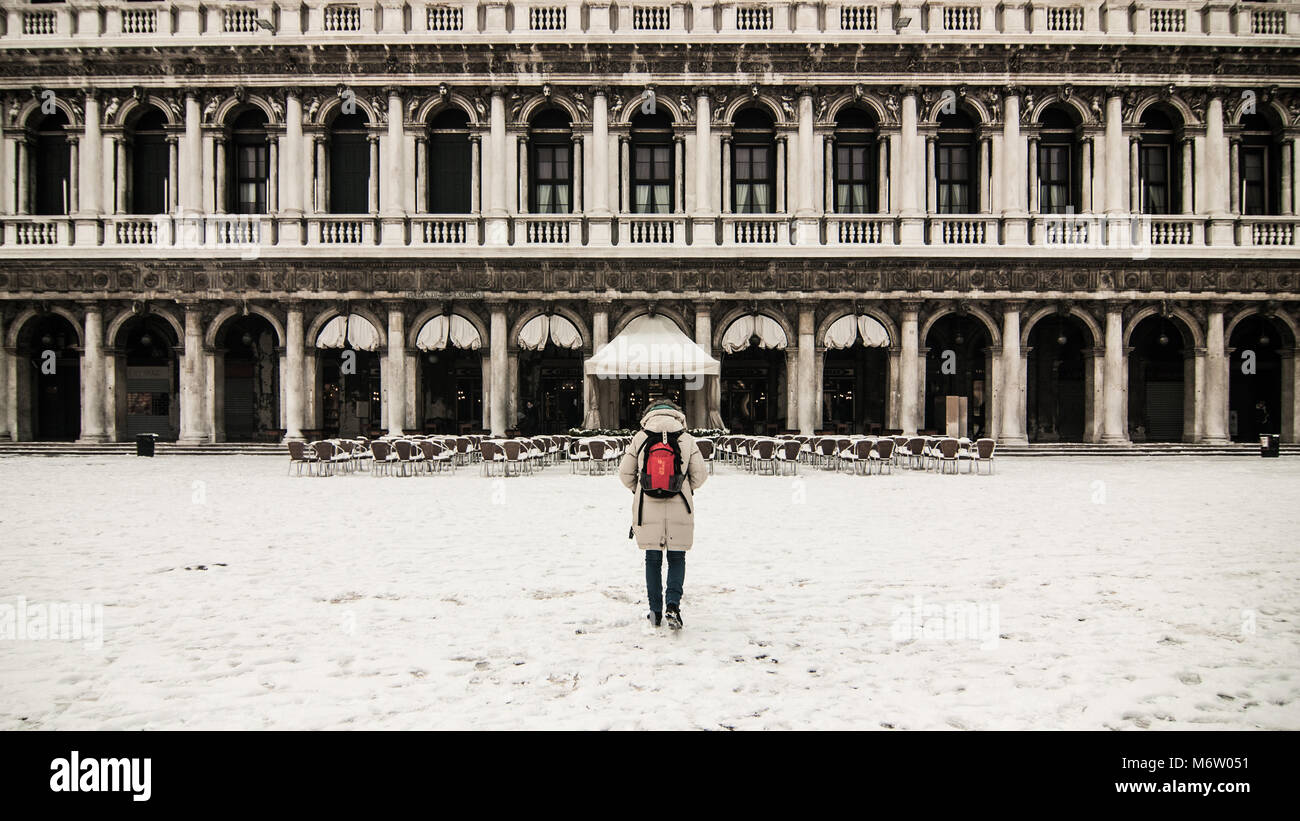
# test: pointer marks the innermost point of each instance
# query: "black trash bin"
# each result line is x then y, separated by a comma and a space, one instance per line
1270, 444
144, 444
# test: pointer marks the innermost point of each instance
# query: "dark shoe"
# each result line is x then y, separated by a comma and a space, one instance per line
654, 618
674, 614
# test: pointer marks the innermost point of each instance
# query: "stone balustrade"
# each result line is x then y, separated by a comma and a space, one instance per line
131, 23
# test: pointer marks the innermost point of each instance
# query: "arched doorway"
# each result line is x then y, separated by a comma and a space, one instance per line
1057, 381
51, 348
1255, 377
250, 382
1158, 379
349, 377
855, 376
151, 373
958, 366
449, 389
550, 375
753, 379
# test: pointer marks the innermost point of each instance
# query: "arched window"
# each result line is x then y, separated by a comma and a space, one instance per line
150, 164
857, 158
753, 163
248, 171
1059, 184
349, 165
1160, 163
451, 173
1259, 166
51, 160
955, 165
551, 148
652, 171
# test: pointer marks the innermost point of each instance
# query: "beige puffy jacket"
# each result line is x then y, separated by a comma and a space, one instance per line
665, 523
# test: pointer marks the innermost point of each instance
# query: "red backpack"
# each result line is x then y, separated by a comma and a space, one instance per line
661, 468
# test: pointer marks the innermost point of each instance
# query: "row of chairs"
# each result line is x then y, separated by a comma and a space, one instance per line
597, 455
859, 454
521, 455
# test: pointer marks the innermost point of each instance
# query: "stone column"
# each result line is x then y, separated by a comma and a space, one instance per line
625, 175
712, 401
809, 385
71, 199
422, 203
909, 364
291, 177
1235, 204
591, 386
1035, 203
393, 176
793, 384
578, 200
986, 178
189, 183
1187, 184
1216, 381
705, 202
500, 368
119, 197
1288, 176
1114, 423
396, 375
272, 174
521, 163
320, 180
679, 174
931, 176
5, 383
1015, 217
219, 147
92, 376
193, 390
1013, 428
90, 202
911, 175
1116, 177
497, 224
599, 225
372, 201
476, 174
1219, 230
294, 377
1290, 396
22, 171
726, 205
173, 174
781, 204
1085, 175
1135, 175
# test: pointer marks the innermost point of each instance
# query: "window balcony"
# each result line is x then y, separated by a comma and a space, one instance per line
651, 230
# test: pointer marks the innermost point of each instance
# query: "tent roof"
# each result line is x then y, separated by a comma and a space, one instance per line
652, 347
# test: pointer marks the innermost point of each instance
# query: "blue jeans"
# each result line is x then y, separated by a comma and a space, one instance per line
654, 577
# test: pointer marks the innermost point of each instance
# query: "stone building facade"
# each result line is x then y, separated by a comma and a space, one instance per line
1055, 220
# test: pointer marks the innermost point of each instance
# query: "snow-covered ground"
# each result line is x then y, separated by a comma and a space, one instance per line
1111, 593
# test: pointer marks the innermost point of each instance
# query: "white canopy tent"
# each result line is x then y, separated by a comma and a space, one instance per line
440, 330
350, 331
844, 331
652, 347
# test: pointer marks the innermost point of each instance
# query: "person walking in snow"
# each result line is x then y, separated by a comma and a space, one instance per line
663, 467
